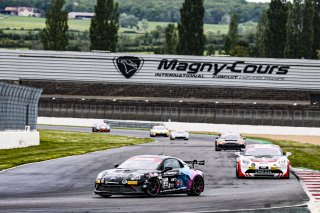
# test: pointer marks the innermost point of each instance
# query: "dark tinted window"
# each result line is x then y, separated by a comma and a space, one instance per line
141, 163
174, 163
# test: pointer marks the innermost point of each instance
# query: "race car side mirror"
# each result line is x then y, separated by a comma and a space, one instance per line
166, 169
115, 165
288, 154
237, 154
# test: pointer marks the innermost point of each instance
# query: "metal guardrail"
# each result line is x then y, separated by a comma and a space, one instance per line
297, 118
131, 124
18, 107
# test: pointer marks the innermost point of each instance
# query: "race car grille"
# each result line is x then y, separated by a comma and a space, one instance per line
116, 189
263, 171
232, 145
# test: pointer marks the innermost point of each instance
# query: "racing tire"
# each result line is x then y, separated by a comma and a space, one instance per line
93, 130
171, 138
197, 186
105, 196
216, 147
154, 187
151, 135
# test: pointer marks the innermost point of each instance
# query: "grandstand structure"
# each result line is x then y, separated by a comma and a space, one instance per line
255, 91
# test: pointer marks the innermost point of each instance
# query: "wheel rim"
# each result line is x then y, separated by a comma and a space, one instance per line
198, 185
154, 187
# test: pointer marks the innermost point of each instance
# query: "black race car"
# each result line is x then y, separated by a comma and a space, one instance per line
230, 141
151, 175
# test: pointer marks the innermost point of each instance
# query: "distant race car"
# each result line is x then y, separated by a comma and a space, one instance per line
101, 127
263, 160
179, 134
159, 131
151, 175
230, 141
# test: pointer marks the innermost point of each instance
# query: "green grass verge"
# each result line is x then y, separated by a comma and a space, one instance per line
303, 154
57, 144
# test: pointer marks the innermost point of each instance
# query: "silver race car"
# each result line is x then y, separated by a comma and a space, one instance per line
101, 127
179, 134
263, 160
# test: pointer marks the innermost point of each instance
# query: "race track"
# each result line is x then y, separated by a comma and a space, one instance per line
66, 184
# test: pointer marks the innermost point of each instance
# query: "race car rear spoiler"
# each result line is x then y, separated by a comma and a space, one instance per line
199, 162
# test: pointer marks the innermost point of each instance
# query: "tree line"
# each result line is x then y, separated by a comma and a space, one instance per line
187, 39
285, 30
289, 30
217, 11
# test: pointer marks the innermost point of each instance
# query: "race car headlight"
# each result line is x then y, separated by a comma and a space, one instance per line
282, 161
246, 161
100, 175
221, 141
135, 177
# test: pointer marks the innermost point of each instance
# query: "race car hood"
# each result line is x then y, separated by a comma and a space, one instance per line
160, 131
179, 133
128, 174
268, 159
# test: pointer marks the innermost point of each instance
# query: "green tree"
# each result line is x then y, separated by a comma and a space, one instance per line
210, 50
241, 49
276, 30
171, 41
55, 33
316, 23
104, 26
190, 28
261, 37
232, 37
144, 24
307, 39
293, 32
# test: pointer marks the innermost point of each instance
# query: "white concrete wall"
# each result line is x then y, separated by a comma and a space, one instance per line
244, 129
11, 139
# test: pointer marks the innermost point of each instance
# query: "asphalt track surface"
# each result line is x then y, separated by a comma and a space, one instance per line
66, 184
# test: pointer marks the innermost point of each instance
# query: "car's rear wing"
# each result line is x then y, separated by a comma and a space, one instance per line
199, 162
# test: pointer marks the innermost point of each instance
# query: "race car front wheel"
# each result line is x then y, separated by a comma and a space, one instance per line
216, 146
154, 187
197, 186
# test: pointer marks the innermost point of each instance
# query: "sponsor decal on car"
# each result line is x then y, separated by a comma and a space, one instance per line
132, 182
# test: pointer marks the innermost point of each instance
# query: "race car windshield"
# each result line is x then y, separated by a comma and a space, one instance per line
103, 125
141, 163
231, 137
265, 152
159, 128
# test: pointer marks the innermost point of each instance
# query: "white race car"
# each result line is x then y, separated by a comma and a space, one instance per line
263, 160
179, 134
101, 127
159, 131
